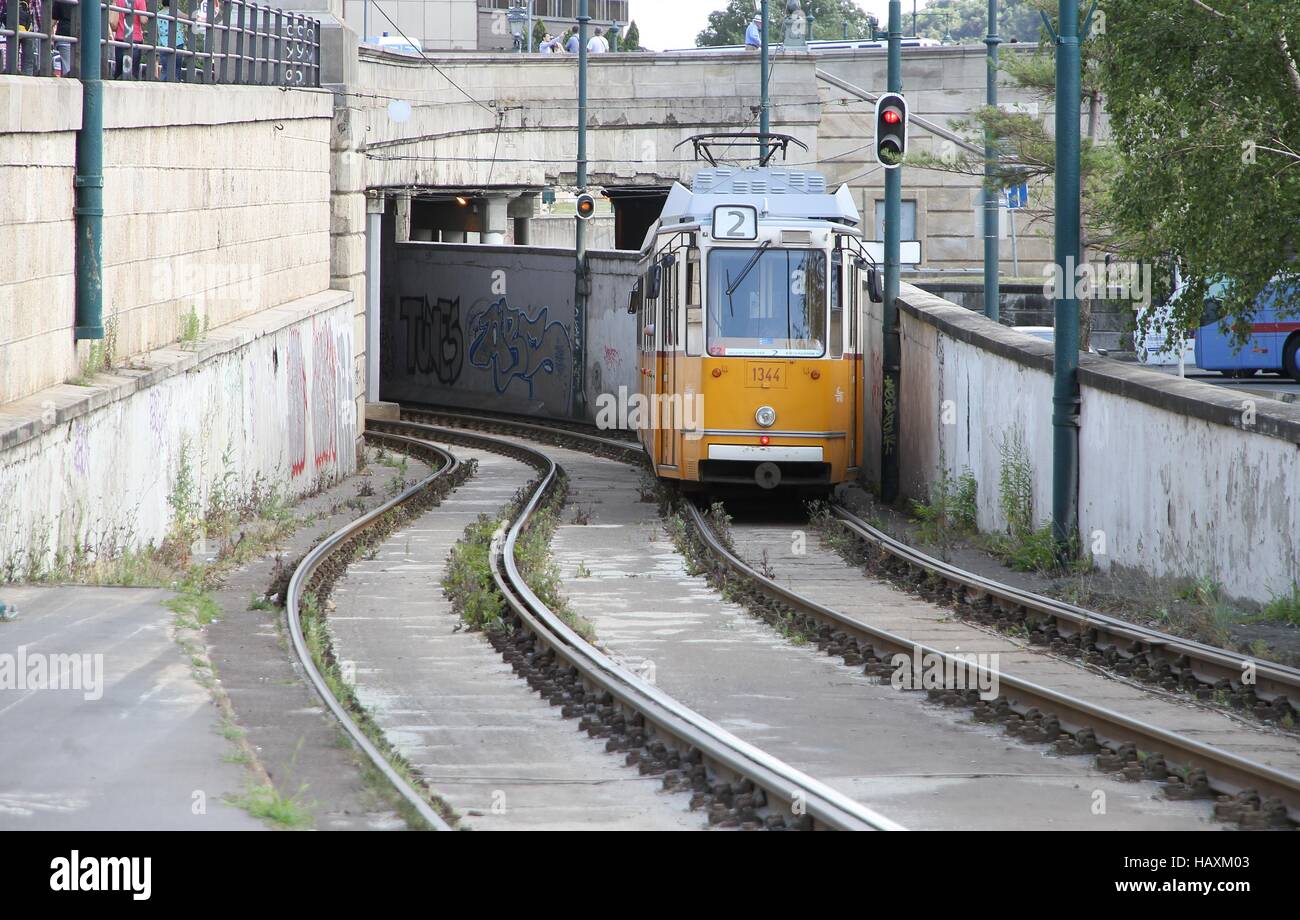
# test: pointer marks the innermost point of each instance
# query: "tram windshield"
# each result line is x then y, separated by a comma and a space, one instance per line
767, 302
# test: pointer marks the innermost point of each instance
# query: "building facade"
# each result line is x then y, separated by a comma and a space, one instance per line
470, 25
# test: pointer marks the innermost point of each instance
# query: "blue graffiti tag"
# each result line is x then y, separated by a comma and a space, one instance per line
515, 347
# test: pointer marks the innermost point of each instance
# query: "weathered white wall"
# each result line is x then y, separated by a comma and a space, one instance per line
268, 400
216, 200
1177, 477
959, 401
1182, 495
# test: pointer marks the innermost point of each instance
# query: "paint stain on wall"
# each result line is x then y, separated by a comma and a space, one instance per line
296, 409
326, 394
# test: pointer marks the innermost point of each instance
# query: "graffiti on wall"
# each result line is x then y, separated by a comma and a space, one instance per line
435, 342
326, 395
296, 416
517, 348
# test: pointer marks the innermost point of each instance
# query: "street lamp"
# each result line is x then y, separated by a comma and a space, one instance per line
796, 35
614, 31
518, 17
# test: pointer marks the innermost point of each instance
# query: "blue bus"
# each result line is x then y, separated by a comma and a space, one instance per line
1273, 345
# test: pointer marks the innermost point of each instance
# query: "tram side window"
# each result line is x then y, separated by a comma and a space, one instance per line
837, 304
650, 309
694, 341
670, 301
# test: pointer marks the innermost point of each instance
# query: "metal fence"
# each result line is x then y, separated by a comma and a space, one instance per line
185, 41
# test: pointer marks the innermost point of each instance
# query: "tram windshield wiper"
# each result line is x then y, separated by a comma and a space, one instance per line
749, 266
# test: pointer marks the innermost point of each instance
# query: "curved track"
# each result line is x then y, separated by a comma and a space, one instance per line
732, 778
1077, 724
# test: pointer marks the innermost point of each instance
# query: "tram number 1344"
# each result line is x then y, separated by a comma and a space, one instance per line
765, 375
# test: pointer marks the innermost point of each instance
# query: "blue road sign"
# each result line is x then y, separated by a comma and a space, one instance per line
1018, 197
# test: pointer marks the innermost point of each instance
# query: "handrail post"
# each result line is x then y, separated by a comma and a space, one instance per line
45, 46
277, 72
223, 71
12, 44
239, 43
151, 39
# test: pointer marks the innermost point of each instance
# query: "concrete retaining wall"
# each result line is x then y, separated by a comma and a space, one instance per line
217, 203
38, 124
264, 404
492, 327
1178, 479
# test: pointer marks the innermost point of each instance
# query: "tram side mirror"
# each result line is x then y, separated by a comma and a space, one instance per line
875, 285
652, 282
634, 300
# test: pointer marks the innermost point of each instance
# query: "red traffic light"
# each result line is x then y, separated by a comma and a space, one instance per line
891, 117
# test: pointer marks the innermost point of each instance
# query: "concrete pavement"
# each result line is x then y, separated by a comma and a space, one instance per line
122, 737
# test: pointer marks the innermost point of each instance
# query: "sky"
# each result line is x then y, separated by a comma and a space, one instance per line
675, 23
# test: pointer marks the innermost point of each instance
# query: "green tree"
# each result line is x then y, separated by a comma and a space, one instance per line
539, 33
965, 21
1027, 149
632, 39
727, 26
1204, 105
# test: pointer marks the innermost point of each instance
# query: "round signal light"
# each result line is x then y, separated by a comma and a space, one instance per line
765, 416
765, 440
816, 375
891, 116
586, 207
717, 372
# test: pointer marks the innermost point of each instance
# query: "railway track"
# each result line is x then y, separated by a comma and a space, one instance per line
736, 783
1127, 648
1251, 792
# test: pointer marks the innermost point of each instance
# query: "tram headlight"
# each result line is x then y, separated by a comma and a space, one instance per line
765, 416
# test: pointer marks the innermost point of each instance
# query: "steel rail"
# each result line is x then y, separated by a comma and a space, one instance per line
1227, 772
1208, 663
303, 576
798, 792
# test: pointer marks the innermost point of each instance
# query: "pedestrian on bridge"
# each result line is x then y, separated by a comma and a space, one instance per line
571, 45
754, 34
598, 44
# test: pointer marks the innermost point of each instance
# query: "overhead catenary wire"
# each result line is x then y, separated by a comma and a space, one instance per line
466, 93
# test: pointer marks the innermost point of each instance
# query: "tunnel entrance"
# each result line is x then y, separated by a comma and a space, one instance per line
636, 208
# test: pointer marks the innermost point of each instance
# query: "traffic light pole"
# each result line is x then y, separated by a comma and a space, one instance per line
992, 296
765, 107
580, 267
889, 415
1065, 394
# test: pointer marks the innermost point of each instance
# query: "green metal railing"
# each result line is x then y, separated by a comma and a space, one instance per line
231, 42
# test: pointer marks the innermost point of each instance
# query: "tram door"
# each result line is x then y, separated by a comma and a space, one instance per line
666, 421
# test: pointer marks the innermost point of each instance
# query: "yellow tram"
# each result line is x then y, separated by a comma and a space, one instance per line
747, 313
